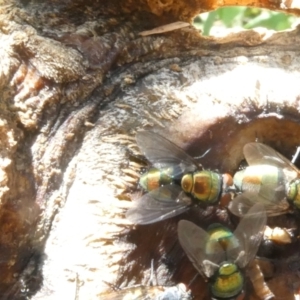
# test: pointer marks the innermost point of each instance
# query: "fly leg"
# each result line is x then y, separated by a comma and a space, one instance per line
295, 156
209, 268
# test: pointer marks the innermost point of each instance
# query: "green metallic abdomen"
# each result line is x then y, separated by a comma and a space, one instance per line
204, 186
228, 282
154, 178
220, 235
261, 179
293, 193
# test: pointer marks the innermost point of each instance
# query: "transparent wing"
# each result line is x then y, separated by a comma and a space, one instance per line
163, 203
258, 154
193, 240
240, 205
267, 181
162, 153
249, 233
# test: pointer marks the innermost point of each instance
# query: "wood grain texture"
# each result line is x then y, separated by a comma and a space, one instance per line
77, 81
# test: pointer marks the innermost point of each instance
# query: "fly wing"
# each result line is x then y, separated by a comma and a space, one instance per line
163, 154
266, 181
249, 233
241, 204
163, 203
258, 154
193, 240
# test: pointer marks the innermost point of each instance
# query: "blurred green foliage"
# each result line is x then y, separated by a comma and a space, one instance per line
243, 17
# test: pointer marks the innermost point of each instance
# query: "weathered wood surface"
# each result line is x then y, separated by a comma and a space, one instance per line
77, 81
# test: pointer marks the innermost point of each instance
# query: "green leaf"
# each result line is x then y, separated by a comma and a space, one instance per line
209, 22
230, 15
275, 21
247, 17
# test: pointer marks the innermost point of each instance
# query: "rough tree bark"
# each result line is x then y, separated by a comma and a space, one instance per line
77, 81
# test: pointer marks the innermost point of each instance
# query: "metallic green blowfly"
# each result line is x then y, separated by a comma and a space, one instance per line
270, 179
220, 255
175, 182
